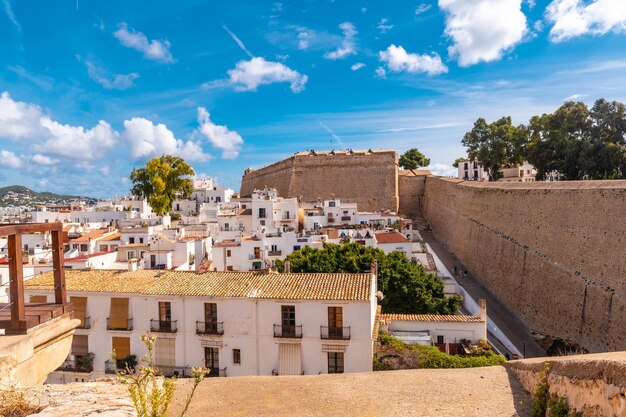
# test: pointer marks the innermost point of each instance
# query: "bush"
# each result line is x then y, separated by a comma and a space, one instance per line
421, 356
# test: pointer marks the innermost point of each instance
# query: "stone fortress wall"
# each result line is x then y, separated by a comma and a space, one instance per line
368, 178
554, 253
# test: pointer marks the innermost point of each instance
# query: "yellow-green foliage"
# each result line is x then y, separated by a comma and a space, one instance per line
150, 393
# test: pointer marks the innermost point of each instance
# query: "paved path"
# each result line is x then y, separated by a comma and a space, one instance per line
508, 323
471, 392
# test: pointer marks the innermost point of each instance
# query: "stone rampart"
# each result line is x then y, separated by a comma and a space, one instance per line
554, 253
368, 178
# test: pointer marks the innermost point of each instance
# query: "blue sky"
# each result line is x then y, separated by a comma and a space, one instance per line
92, 88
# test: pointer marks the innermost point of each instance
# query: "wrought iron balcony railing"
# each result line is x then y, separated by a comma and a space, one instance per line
216, 328
163, 326
288, 330
335, 333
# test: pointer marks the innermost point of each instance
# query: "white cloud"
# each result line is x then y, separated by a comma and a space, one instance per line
383, 26
248, 75
152, 49
572, 18
228, 141
422, 8
110, 81
443, 170
380, 72
348, 44
146, 140
398, 59
483, 30
575, 97
18, 120
40, 159
10, 160
76, 142
357, 66
304, 38
105, 170
238, 41
11, 15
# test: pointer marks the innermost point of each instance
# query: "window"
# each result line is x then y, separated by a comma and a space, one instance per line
274, 248
121, 347
237, 356
261, 213
345, 212
335, 362
210, 314
228, 252
140, 240
297, 247
80, 309
83, 248
440, 339
331, 204
262, 222
465, 166
118, 316
165, 311
131, 240
130, 254
288, 320
80, 345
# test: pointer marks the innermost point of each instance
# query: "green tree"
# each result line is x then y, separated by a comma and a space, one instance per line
406, 286
162, 181
458, 160
413, 159
496, 145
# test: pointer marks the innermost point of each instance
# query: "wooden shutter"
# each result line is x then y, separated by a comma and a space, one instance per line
335, 317
121, 346
80, 309
80, 345
38, 299
118, 318
165, 352
290, 361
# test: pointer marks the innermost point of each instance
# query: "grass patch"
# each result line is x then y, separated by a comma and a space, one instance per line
13, 403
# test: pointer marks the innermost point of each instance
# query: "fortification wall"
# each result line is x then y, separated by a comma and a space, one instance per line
552, 252
411, 192
368, 178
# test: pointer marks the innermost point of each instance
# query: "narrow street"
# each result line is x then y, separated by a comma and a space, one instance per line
517, 332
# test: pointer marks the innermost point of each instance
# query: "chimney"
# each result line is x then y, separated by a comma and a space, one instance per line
375, 267
483, 309
132, 265
287, 268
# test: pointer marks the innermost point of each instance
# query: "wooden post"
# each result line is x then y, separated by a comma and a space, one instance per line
16, 283
58, 265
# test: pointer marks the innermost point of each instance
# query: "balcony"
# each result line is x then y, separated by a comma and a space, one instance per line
335, 333
85, 323
254, 256
345, 218
75, 366
293, 331
210, 328
330, 220
274, 253
124, 325
163, 326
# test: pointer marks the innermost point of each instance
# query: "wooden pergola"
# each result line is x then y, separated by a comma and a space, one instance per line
22, 316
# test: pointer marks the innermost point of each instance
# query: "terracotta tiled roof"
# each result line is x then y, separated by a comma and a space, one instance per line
452, 318
83, 257
349, 287
112, 236
390, 237
89, 236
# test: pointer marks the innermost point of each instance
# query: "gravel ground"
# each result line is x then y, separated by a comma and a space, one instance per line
484, 392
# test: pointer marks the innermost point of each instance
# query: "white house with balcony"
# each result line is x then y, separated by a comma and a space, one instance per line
235, 323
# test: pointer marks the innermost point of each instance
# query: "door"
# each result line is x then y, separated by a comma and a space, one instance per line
212, 360
290, 360
210, 317
335, 322
165, 354
152, 261
288, 315
165, 316
335, 362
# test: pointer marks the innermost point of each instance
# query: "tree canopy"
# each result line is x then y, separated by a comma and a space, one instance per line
406, 286
576, 142
457, 161
163, 180
495, 145
413, 159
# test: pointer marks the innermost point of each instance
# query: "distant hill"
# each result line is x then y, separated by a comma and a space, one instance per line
20, 196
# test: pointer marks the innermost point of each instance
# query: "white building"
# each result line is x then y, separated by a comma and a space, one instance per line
234, 323
472, 171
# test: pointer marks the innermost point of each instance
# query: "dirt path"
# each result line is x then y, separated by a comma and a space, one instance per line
480, 392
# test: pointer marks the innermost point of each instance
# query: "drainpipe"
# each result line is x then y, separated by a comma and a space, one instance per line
256, 319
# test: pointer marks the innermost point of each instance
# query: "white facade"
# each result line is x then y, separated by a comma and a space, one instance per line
473, 171
251, 325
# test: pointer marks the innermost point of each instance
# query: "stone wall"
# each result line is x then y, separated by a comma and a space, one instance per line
593, 384
554, 253
368, 178
411, 192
